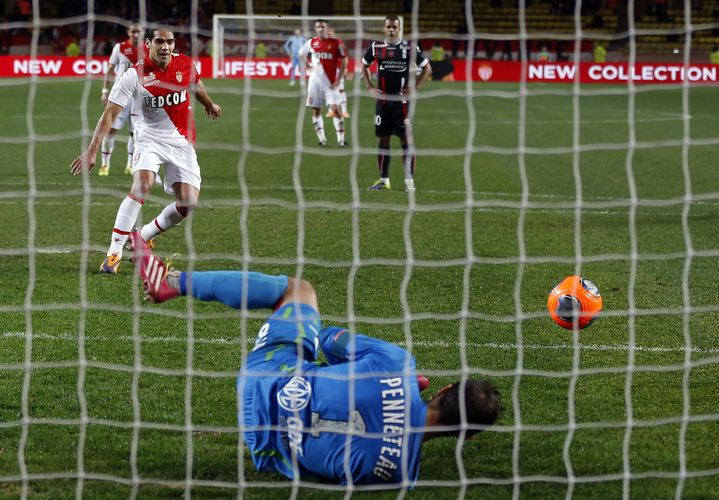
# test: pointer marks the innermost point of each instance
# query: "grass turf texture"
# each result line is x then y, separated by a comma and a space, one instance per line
481, 266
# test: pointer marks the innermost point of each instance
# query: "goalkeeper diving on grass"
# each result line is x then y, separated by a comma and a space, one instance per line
357, 418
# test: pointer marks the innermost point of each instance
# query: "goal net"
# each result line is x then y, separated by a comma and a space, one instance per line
535, 160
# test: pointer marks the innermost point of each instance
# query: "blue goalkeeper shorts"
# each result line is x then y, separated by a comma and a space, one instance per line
288, 326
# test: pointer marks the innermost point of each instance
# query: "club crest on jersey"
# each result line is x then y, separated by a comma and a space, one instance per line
178, 75
295, 395
171, 99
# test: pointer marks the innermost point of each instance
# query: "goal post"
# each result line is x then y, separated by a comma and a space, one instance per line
237, 35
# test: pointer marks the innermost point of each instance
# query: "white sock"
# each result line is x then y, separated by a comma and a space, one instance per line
108, 144
124, 222
130, 148
319, 125
168, 218
340, 128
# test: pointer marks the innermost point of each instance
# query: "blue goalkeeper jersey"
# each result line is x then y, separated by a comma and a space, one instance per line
359, 419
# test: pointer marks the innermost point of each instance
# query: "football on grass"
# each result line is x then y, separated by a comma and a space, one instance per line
574, 301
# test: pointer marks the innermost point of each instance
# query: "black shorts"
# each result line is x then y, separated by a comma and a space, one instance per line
391, 117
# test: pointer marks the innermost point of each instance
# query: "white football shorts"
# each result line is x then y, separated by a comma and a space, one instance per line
122, 118
320, 94
180, 162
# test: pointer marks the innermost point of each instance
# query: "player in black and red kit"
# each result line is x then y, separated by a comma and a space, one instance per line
393, 57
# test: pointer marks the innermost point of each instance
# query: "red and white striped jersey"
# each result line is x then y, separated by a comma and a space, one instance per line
160, 99
327, 55
123, 57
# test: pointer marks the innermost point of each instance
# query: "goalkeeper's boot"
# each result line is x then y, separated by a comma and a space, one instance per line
380, 185
128, 170
152, 271
131, 245
104, 170
111, 264
344, 144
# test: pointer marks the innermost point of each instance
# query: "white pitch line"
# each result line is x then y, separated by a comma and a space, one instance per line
421, 343
269, 188
570, 211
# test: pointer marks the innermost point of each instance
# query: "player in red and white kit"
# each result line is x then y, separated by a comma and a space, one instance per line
340, 88
124, 56
328, 60
159, 90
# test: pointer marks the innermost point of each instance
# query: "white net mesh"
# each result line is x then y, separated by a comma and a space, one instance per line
519, 184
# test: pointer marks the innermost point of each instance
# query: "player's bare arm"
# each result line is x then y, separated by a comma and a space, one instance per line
304, 54
341, 74
87, 160
213, 110
425, 73
367, 76
423, 76
106, 83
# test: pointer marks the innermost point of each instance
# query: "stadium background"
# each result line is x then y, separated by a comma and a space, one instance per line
599, 19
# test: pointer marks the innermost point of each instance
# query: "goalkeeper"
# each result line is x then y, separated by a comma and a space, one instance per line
359, 419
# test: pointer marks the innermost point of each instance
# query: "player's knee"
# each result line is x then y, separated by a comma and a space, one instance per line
301, 290
142, 184
184, 207
189, 201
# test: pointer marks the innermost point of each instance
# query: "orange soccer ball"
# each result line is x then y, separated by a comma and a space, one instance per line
574, 300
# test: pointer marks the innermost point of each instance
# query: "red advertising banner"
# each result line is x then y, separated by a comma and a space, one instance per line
24, 66
476, 70
48, 66
616, 73
233, 67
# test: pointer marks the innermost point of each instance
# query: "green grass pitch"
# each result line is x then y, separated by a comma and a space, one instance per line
462, 270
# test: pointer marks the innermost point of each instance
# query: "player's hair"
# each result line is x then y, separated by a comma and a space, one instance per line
320, 20
482, 402
150, 32
392, 17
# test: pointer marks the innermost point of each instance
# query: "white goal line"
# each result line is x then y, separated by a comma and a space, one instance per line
421, 343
